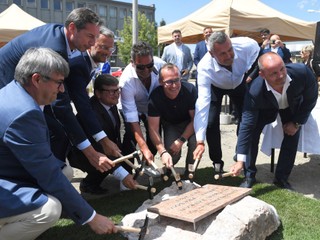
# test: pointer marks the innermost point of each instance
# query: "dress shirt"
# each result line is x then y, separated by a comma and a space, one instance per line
179, 55
246, 51
134, 95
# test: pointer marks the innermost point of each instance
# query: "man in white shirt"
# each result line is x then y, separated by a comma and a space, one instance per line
137, 81
220, 72
179, 54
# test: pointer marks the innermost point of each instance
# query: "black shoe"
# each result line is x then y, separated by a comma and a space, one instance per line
281, 183
248, 182
218, 167
92, 189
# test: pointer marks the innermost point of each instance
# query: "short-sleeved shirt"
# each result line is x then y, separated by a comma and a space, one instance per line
173, 110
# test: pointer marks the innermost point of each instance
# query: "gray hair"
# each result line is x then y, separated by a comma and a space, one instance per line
81, 17
219, 37
141, 49
44, 61
106, 31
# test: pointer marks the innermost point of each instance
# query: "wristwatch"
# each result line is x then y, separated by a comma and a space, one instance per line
298, 125
182, 139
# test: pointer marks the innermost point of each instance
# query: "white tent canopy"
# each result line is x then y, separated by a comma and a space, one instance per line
238, 18
14, 21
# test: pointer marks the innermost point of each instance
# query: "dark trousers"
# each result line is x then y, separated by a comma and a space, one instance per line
213, 129
287, 153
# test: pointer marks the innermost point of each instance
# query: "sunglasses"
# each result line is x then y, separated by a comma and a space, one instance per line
142, 67
172, 81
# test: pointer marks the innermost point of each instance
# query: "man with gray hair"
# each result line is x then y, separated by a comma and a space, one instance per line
220, 72
33, 188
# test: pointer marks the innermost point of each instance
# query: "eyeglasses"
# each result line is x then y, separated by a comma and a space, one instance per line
109, 49
142, 67
58, 82
172, 81
111, 92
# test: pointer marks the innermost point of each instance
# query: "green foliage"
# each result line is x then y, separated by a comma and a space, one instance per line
147, 32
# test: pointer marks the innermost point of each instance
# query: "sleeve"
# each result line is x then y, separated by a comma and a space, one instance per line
196, 57
34, 153
77, 83
128, 102
153, 110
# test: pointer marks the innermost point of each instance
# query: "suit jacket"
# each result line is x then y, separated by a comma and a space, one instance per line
50, 36
261, 107
169, 55
200, 51
28, 169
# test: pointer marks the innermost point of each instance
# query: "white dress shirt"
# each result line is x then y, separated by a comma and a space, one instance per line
134, 95
246, 51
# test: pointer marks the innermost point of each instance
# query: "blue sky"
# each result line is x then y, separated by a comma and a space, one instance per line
173, 10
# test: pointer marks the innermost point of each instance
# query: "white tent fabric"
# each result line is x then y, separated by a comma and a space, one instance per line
238, 18
14, 21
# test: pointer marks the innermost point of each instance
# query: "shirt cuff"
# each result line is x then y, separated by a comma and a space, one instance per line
83, 145
97, 137
241, 157
90, 219
120, 173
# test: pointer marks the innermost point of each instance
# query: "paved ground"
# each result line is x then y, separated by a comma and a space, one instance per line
305, 177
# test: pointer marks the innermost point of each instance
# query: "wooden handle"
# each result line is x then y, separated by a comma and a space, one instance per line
195, 164
218, 176
130, 164
121, 159
176, 176
153, 190
128, 229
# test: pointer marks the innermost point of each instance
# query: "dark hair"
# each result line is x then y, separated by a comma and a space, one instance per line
82, 16
104, 80
265, 31
141, 49
176, 31
167, 66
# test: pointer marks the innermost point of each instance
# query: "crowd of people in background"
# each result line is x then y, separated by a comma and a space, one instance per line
43, 70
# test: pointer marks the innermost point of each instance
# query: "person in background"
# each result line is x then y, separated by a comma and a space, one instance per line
179, 54
220, 72
33, 188
277, 46
137, 81
265, 36
307, 55
104, 108
201, 48
290, 90
172, 104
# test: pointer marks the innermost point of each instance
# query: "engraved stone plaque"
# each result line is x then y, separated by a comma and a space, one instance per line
199, 203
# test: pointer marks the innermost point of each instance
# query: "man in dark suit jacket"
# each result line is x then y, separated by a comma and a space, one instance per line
79, 32
290, 90
201, 48
33, 188
104, 109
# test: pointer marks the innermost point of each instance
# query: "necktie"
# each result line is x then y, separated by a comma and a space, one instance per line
114, 116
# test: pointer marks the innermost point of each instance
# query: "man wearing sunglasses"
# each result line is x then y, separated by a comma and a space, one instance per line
172, 104
137, 82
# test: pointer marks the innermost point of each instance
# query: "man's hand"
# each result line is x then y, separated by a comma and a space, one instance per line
175, 147
100, 161
110, 148
147, 155
166, 159
236, 168
102, 225
129, 182
290, 128
197, 153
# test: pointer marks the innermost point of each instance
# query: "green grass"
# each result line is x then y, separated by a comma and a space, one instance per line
299, 215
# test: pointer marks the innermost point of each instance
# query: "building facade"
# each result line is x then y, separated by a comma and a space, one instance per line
113, 13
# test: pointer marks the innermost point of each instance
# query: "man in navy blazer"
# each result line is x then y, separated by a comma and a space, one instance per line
179, 54
79, 32
104, 109
290, 90
33, 188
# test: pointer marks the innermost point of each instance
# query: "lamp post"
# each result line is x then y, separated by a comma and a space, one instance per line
134, 21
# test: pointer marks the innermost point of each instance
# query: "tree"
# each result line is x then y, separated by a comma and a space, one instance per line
147, 32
